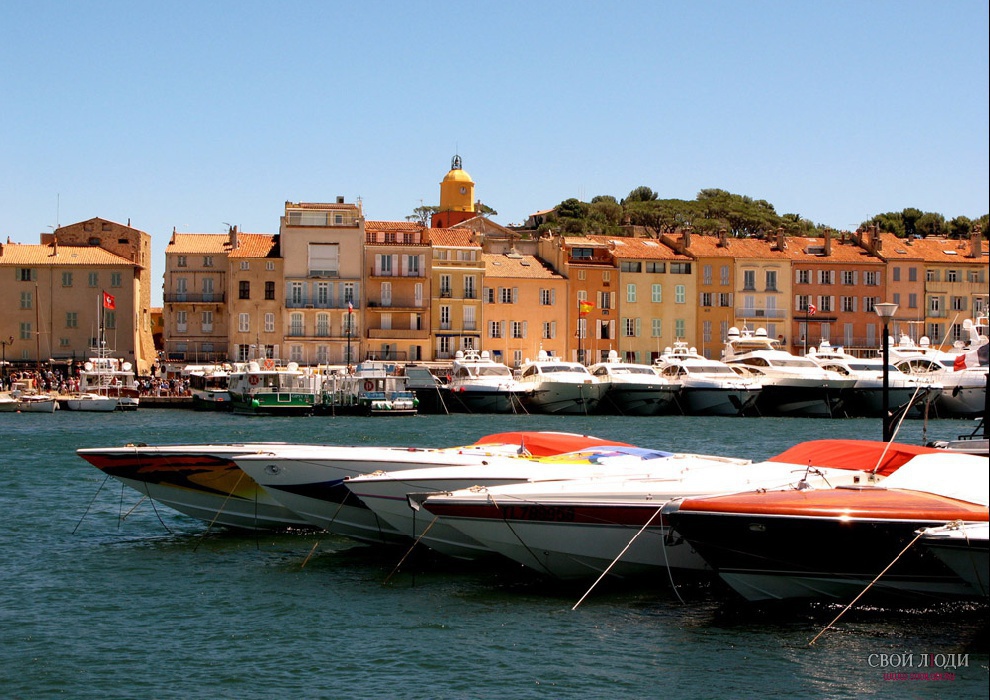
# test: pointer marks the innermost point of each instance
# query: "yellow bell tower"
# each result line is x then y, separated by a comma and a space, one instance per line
456, 197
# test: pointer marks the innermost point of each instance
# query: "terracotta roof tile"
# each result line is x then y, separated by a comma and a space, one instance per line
39, 255
933, 249
393, 226
454, 237
708, 247
321, 206
639, 248
516, 266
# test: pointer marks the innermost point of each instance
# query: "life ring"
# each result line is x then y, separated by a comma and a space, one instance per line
269, 363
253, 378
369, 385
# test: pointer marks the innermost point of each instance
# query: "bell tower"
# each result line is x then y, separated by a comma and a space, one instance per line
456, 197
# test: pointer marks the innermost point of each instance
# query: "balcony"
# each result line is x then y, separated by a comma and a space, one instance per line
187, 298
773, 314
398, 334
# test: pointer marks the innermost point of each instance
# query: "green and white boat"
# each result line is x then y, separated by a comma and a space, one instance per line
271, 390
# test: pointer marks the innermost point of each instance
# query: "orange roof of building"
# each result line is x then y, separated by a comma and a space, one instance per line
454, 237
640, 248
61, 255
249, 245
708, 247
804, 249
393, 226
931, 249
322, 206
516, 265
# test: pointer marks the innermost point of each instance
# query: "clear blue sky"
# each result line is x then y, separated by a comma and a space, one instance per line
196, 114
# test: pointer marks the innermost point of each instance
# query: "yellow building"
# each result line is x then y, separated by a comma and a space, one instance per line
54, 294
456, 197
456, 278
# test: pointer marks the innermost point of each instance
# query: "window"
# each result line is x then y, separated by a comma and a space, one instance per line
270, 265
94, 279
489, 294
848, 304
680, 268
771, 281
825, 304
952, 275
470, 287
269, 323
871, 279
296, 293
803, 277
349, 293
25, 331
386, 294
207, 261
245, 265
679, 294
296, 353
66, 279
656, 267
848, 277
631, 293
631, 266
931, 276
629, 327
897, 274
269, 291
181, 261
244, 323
323, 294
115, 279
207, 321
582, 253
605, 299
679, 326
182, 321
507, 295
71, 319
912, 301
803, 300
656, 327
518, 329
706, 299
445, 318
549, 330
384, 265
935, 305
870, 303
912, 274
243, 289
749, 280
706, 331
826, 277
656, 293
494, 329
547, 297
295, 323
957, 303
706, 274
445, 290
27, 300
323, 325
208, 289
724, 300
974, 276
723, 275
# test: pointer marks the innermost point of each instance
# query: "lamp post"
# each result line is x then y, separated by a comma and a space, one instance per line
3, 376
350, 321
886, 312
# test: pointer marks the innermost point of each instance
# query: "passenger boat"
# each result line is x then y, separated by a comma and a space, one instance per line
560, 387
479, 384
583, 527
964, 548
792, 385
201, 481
631, 389
267, 389
906, 392
109, 377
310, 480
373, 388
708, 387
209, 386
833, 543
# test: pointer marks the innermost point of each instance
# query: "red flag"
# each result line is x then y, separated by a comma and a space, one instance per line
350, 308
109, 302
584, 307
812, 309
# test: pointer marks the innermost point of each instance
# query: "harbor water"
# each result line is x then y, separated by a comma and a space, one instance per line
106, 595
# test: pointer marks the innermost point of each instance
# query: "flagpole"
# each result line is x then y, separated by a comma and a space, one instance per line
807, 325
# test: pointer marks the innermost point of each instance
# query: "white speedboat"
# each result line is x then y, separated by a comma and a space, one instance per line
708, 387
560, 387
792, 385
582, 527
201, 481
395, 496
310, 480
964, 548
96, 403
478, 384
632, 389
865, 398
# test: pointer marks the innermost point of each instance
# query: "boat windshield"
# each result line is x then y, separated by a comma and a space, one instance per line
493, 371
708, 369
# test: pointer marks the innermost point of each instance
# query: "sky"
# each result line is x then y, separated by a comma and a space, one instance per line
198, 115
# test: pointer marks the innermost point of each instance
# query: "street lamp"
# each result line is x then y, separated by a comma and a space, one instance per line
886, 311
3, 361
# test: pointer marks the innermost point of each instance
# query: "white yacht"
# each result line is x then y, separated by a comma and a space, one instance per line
708, 387
792, 385
479, 384
633, 389
560, 387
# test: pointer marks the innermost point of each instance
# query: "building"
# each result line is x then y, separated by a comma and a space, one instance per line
55, 295
457, 277
456, 197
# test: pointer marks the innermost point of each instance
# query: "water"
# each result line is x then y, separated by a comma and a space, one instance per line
160, 606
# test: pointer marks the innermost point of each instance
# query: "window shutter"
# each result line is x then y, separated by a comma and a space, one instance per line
638, 326
515, 295
525, 328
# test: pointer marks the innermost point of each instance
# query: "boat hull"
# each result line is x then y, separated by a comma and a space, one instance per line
639, 400
565, 398
718, 401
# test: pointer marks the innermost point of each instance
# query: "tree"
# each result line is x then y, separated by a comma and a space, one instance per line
930, 224
423, 214
910, 218
960, 227
641, 194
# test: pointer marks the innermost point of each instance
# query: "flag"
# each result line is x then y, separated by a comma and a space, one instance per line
109, 302
812, 309
584, 307
350, 308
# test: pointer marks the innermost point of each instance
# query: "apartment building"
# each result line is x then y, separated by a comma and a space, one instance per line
457, 274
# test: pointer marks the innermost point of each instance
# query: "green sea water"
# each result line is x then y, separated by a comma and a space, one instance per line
106, 595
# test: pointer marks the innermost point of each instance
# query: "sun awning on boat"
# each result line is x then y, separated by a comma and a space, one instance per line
867, 455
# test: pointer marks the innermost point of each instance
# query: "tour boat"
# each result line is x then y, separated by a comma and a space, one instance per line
559, 387
835, 542
310, 480
584, 526
267, 389
632, 389
792, 385
708, 387
108, 377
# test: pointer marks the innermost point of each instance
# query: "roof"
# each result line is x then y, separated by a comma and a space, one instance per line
517, 266
809, 250
932, 249
321, 206
454, 238
249, 245
738, 248
59, 256
639, 248
370, 226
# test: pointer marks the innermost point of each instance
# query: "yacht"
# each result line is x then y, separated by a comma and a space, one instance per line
560, 387
632, 389
708, 387
479, 384
792, 385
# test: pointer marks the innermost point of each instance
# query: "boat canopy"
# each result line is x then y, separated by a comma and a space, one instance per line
545, 443
864, 455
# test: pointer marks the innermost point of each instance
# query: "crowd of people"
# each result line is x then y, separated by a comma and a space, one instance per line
55, 380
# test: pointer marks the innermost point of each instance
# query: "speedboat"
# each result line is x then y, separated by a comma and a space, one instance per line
201, 481
964, 548
583, 527
309, 480
90, 401
792, 385
865, 398
708, 387
834, 542
632, 389
395, 497
267, 389
478, 384
561, 387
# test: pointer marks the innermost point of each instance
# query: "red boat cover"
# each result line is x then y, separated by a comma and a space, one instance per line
546, 443
866, 455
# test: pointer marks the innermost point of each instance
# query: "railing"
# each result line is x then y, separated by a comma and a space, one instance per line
404, 334
185, 297
746, 312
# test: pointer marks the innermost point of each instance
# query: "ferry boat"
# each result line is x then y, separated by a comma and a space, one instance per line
268, 389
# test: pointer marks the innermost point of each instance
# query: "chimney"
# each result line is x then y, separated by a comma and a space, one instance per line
976, 242
686, 238
55, 244
877, 240
723, 239
781, 243
340, 199
232, 237
828, 243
